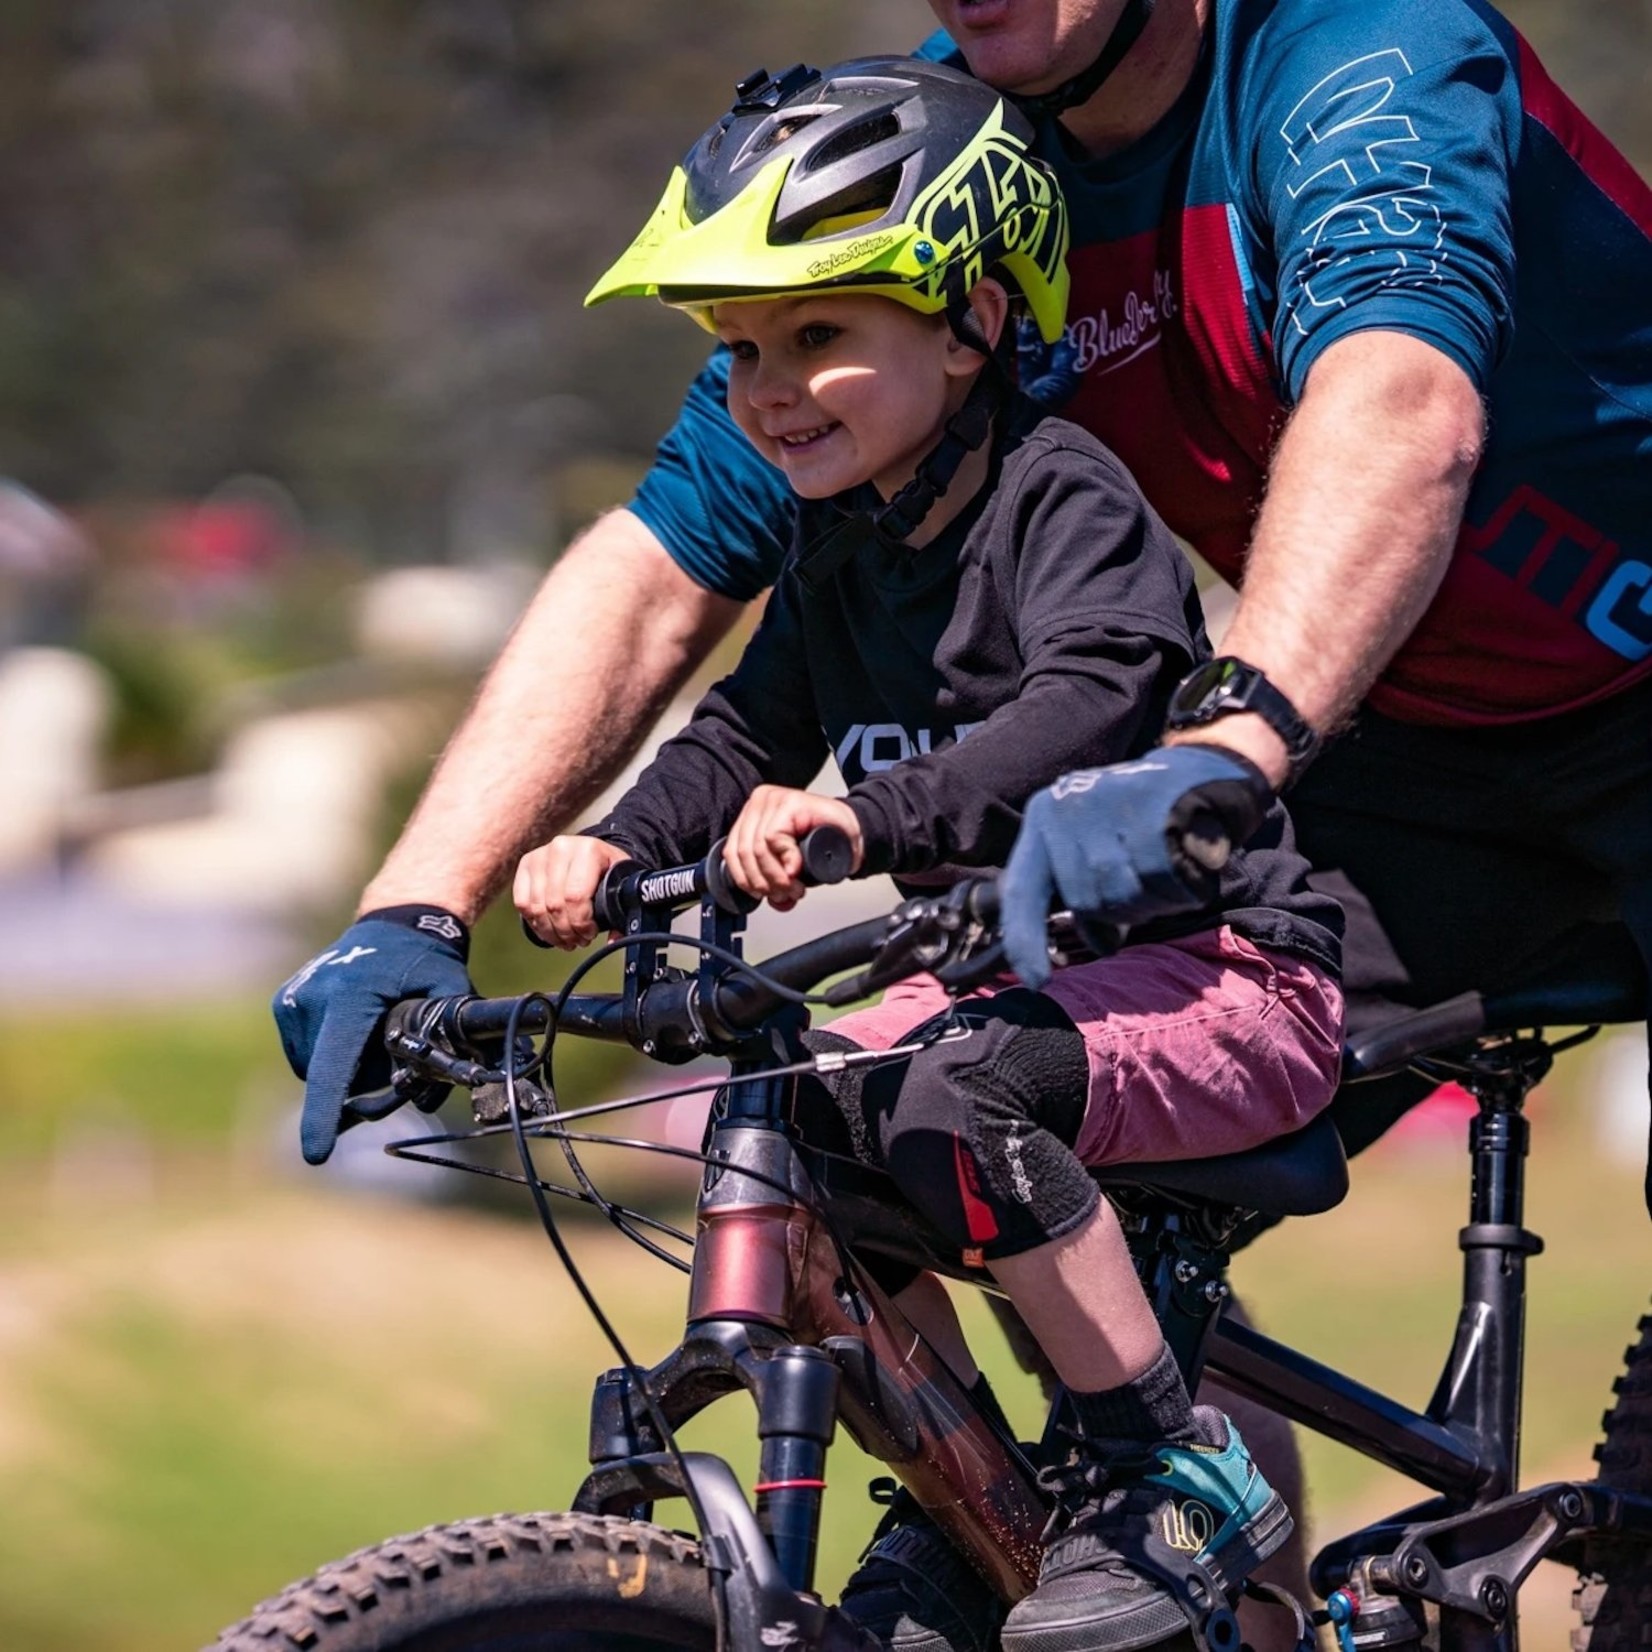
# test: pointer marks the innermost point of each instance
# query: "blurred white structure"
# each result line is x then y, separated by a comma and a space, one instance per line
1617, 1091
286, 820
54, 714
455, 617
290, 816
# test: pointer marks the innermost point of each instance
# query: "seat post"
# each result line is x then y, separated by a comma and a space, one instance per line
1181, 1254
1480, 1389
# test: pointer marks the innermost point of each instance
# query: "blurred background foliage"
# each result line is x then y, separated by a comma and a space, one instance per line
345, 244
290, 297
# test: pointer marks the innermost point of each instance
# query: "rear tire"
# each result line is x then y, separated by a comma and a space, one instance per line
1614, 1594
510, 1583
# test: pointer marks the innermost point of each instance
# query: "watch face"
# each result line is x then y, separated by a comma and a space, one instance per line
1207, 686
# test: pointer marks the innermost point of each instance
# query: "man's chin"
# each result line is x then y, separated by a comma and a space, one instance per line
1010, 59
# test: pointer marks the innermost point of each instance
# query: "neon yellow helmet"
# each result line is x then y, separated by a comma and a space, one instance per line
884, 175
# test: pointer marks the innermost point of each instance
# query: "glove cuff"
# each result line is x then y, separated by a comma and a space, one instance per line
427, 920
1261, 787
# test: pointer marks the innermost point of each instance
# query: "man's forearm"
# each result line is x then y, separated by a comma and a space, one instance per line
608, 639
1365, 498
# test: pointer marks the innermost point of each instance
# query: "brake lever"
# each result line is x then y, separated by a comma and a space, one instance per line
973, 969
926, 934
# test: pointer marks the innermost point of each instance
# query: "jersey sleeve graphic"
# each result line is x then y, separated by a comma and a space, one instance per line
1386, 181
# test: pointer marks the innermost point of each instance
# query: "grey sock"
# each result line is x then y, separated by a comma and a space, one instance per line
1153, 1407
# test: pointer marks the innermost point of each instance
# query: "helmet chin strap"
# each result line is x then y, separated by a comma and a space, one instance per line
1084, 85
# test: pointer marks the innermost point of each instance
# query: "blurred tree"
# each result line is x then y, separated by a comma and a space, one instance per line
344, 242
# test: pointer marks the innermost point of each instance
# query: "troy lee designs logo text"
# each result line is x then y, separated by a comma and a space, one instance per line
1110, 339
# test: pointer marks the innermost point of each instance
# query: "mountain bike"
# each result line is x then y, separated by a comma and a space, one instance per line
782, 1307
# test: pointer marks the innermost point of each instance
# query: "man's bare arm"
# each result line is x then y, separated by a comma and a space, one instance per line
609, 637
1364, 502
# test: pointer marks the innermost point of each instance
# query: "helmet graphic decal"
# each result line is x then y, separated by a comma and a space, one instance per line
886, 175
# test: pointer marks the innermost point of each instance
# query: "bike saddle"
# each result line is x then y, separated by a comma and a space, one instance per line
1593, 975
1295, 1175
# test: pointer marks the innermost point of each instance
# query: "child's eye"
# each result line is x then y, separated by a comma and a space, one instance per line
815, 335
742, 349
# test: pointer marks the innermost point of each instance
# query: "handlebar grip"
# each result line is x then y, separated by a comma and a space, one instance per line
605, 901
828, 857
724, 891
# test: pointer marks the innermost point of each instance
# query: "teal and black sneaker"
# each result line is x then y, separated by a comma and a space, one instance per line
915, 1591
1136, 1523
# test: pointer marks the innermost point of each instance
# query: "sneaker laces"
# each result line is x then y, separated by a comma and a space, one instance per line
899, 1506
1081, 1481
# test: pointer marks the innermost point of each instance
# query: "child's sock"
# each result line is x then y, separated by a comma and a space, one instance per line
1155, 1406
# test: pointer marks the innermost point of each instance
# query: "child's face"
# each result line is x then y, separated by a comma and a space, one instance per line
838, 390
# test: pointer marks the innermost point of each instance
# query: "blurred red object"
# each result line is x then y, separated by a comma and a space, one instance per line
1443, 1116
223, 538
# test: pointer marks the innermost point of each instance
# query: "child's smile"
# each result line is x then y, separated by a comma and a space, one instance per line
841, 389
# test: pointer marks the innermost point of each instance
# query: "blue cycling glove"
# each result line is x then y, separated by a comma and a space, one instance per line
1126, 844
331, 1014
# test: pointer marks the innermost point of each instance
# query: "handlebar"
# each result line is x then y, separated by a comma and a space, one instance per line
628, 889
827, 858
679, 1015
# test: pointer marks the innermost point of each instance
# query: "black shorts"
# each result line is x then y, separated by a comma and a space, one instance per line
1461, 853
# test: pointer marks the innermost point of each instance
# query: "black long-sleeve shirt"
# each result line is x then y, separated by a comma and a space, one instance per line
1042, 630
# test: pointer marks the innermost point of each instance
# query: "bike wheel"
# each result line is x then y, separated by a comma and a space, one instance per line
1614, 1594
510, 1583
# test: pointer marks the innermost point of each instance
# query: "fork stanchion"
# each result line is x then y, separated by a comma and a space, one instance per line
796, 1417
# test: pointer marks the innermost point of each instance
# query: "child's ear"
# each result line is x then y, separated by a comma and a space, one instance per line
989, 307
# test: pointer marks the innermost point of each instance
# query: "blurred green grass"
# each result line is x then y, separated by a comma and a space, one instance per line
215, 1376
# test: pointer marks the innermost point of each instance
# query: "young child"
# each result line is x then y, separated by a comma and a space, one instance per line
977, 601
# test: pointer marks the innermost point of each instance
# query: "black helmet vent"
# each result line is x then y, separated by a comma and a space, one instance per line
875, 194
862, 135
782, 130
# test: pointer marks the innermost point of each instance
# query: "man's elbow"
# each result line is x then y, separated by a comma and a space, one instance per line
1410, 388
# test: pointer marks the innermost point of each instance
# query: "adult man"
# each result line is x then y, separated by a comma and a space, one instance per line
1410, 176
1312, 208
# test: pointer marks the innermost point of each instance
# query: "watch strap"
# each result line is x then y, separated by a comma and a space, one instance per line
1225, 687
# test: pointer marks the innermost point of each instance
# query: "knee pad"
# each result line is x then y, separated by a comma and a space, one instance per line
978, 1128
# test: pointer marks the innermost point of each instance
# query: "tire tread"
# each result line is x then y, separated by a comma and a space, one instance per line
463, 1562
1614, 1592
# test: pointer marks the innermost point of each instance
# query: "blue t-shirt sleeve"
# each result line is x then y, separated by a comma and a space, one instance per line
1384, 135
939, 48
723, 514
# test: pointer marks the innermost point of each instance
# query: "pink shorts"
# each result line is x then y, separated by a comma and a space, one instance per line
1197, 1047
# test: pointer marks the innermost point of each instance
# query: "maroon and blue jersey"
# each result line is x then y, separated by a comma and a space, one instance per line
1338, 166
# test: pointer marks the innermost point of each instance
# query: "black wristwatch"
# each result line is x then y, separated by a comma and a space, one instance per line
1225, 686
